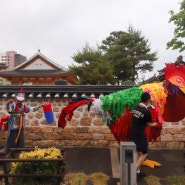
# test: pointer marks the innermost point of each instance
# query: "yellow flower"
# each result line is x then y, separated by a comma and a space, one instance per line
38, 153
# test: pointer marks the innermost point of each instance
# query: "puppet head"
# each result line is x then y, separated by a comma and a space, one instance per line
175, 74
20, 96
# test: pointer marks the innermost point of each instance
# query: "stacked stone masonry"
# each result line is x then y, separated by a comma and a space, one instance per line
85, 128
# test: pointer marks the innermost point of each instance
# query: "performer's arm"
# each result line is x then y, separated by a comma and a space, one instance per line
33, 109
10, 108
153, 124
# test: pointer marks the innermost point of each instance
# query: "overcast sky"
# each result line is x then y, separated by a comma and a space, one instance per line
60, 28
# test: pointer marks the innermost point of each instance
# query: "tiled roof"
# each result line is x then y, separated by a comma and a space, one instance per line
61, 91
35, 73
42, 56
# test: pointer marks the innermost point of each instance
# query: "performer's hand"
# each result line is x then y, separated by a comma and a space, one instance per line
154, 124
33, 109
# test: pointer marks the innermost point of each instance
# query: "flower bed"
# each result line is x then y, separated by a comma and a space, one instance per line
40, 166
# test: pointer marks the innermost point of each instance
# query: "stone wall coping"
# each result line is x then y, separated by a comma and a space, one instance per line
66, 91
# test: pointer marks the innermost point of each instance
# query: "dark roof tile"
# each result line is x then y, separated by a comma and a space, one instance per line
19, 73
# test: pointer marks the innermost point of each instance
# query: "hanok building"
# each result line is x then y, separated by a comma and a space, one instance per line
38, 70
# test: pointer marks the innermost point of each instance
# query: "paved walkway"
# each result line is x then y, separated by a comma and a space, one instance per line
173, 163
89, 160
95, 159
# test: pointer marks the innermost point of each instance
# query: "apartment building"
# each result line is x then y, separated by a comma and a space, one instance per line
11, 59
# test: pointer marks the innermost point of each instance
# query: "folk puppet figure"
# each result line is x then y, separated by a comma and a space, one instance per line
15, 123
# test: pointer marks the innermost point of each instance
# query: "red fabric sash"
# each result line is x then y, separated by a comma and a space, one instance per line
19, 128
69, 111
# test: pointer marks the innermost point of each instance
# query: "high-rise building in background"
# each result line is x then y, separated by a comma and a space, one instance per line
11, 59
19, 59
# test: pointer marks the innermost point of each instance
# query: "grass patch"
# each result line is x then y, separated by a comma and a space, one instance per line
152, 180
76, 178
172, 180
99, 178
79, 178
176, 180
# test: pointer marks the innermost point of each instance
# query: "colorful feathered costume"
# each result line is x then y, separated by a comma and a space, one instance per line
121, 103
116, 108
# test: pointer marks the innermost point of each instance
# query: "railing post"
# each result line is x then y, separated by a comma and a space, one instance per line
128, 163
6, 171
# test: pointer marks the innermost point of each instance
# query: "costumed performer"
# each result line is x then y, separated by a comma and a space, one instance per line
15, 123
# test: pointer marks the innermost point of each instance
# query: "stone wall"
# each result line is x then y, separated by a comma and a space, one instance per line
172, 135
85, 128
